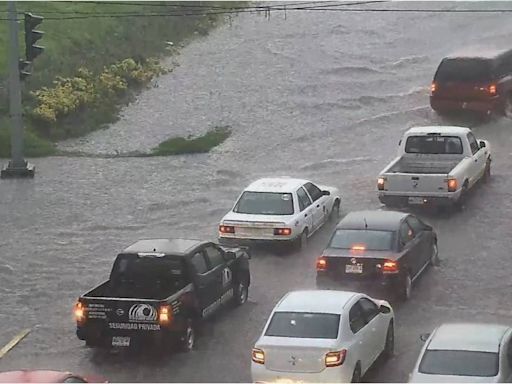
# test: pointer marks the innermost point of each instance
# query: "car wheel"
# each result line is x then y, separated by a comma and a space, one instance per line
406, 288
389, 347
302, 241
487, 172
335, 213
508, 107
434, 259
241, 293
356, 376
188, 338
459, 204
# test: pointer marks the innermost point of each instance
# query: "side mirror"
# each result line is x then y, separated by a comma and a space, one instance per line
326, 193
400, 142
482, 144
384, 309
424, 336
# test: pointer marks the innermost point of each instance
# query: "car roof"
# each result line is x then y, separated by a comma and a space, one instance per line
316, 301
36, 376
276, 184
376, 220
468, 337
178, 247
442, 129
484, 53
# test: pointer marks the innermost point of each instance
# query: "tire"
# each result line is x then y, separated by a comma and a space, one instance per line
389, 346
302, 241
187, 339
507, 111
434, 259
241, 293
487, 172
459, 204
335, 213
405, 288
356, 376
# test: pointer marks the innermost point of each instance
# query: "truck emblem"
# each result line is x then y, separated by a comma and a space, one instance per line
293, 360
120, 311
142, 312
414, 184
353, 260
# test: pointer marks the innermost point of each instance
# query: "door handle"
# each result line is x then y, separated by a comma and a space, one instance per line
476, 160
305, 215
318, 206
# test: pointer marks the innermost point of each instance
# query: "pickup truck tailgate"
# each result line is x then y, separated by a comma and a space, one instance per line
415, 184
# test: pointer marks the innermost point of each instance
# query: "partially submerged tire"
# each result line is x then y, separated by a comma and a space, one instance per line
460, 203
389, 347
434, 258
508, 107
405, 287
487, 173
356, 376
241, 293
302, 241
187, 339
335, 213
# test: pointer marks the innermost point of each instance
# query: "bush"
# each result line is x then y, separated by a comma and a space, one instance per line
202, 144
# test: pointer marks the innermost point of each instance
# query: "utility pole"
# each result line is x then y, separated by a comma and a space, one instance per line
18, 166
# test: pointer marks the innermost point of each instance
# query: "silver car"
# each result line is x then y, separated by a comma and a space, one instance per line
465, 353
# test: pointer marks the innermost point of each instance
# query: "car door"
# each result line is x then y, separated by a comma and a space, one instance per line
207, 283
410, 248
362, 348
223, 272
305, 208
319, 208
424, 239
376, 325
478, 159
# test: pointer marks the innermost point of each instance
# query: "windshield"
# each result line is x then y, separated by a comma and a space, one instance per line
429, 145
265, 203
304, 325
464, 70
368, 239
459, 363
147, 276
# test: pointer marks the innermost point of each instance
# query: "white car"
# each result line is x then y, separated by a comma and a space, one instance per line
279, 209
323, 336
465, 353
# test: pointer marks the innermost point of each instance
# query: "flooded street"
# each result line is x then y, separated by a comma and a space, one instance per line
320, 95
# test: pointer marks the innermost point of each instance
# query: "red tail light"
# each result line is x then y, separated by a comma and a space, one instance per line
492, 89
452, 185
165, 314
390, 266
335, 359
79, 312
258, 356
282, 231
321, 264
380, 183
433, 88
226, 229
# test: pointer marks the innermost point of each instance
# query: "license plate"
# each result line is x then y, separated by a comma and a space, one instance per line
354, 268
120, 341
416, 200
244, 231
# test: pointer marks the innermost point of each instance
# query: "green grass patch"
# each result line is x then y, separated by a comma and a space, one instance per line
35, 146
201, 144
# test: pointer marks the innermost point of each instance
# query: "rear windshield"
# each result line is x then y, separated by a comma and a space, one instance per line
448, 145
304, 325
265, 203
363, 239
459, 363
464, 70
147, 276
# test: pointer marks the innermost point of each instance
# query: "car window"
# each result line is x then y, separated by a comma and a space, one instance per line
265, 203
473, 70
199, 263
473, 143
215, 256
313, 191
356, 318
304, 200
304, 325
370, 309
434, 145
416, 225
406, 233
362, 240
459, 363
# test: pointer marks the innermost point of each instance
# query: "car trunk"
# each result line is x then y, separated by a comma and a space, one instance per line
284, 354
344, 264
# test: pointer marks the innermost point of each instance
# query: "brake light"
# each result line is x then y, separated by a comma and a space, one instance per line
282, 231
226, 229
380, 183
492, 89
390, 266
433, 88
79, 312
335, 359
258, 356
321, 264
452, 185
165, 314
358, 247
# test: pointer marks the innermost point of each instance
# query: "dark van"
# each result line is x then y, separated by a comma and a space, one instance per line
481, 84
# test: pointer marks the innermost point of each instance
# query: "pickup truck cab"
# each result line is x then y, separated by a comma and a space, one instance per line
157, 291
436, 165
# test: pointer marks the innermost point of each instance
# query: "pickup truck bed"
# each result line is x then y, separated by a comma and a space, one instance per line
408, 165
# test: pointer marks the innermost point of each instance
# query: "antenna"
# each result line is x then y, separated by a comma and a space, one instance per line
365, 223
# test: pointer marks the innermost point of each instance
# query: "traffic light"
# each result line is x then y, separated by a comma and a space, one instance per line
32, 36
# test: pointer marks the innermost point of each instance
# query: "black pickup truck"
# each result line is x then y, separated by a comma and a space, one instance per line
157, 291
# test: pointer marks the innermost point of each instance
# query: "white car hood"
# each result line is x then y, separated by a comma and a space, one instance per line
245, 217
424, 378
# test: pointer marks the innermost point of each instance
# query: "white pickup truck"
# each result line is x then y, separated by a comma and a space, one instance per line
437, 165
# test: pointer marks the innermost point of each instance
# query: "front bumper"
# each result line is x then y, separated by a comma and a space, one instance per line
342, 374
479, 106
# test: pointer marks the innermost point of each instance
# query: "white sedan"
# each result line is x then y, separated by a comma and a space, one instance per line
323, 336
279, 209
465, 353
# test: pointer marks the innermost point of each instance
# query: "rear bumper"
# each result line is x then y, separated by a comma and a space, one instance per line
402, 199
379, 286
235, 241
341, 374
480, 106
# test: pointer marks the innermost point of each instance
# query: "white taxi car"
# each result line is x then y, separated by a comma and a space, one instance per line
323, 336
279, 209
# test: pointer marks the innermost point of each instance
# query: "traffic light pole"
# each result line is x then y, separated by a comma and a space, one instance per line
17, 167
